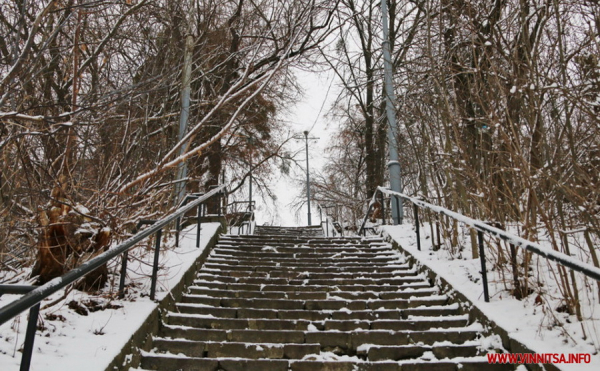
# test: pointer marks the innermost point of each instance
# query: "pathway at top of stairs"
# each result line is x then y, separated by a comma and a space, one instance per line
290, 299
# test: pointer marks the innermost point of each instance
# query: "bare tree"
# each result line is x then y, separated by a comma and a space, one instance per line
89, 103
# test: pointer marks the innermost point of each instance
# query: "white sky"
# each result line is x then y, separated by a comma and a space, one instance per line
320, 91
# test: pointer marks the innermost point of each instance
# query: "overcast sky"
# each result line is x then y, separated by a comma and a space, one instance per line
308, 114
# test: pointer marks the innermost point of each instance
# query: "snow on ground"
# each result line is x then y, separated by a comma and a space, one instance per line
71, 341
531, 321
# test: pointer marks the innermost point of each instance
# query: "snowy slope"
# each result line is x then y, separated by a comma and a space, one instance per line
532, 323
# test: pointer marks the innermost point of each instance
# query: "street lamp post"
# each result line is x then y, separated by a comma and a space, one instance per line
390, 98
184, 116
306, 138
250, 143
307, 177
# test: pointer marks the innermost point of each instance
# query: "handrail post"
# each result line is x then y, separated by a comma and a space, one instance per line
398, 210
198, 222
29, 337
513, 262
486, 295
320, 214
177, 226
382, 208
155, 266
124, 258
218, 206
417, 226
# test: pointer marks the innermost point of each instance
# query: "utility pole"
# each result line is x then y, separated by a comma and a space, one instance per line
390, 98
250, 144
185, 113
307, 177
306, 138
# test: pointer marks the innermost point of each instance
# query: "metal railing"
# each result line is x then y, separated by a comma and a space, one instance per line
31, 325
246, 217
33, 295
329, 223
481, 228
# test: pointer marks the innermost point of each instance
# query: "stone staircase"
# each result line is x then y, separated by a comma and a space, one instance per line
287, 299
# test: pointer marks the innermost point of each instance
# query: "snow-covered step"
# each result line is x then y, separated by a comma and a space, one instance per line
234, 265
315, 304
236, 350
347, 341
279, 273
318, 294
339, 253
289, 231
326, 287
215, 277
296, 248
190, 320
327, 363
315, 259
372, 243
256, 287
320, 315
306, 264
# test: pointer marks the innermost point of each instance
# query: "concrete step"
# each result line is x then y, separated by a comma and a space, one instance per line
317, 248
302, 241
372, 266
318, 294
165, 363
310, 259
291, 249
234, 350
347, 341
289, 231
177, 319
314, 254
397, 281
461, 365
281, 273
303, 245
315, 243
397, 353
319, 315
235, 265
235, 286
315, 304
345, 239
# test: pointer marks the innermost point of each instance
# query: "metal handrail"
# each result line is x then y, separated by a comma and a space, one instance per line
481, 227
41, 292
251, 205
247, 214
323, 210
